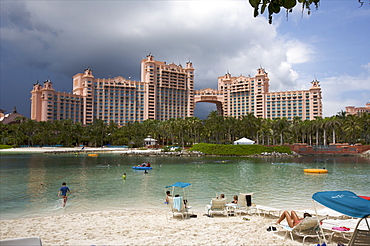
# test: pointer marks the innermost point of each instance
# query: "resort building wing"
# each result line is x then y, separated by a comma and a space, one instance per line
167, 91
238, 96
358, 110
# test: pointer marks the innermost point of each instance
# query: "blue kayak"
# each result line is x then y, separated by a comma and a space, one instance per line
142, 168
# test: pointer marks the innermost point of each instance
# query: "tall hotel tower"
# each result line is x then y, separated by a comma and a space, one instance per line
164, 92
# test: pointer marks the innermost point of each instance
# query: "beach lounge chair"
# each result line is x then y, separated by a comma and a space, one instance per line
245, 203
340, 227
361, 237
29, 241
178, 207
218, 206
349, 204
268, 210
308, 227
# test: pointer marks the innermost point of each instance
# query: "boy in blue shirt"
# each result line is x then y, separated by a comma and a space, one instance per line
63, 191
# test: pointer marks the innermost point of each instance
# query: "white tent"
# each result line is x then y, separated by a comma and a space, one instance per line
150, 141
243, 141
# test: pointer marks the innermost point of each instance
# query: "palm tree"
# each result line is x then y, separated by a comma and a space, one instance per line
265, 131
77, 132
194, 125
249, 126
334, 124
151, 127
96, 132
28, 127
281, 126
365, 122
352, 128
231, 124
171, 127
296, 129
306, 131
316, 127
341, 114
325, 126
180, 129
4, 133
213, 127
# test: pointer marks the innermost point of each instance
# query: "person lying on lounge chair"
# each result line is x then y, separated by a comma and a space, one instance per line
292, 218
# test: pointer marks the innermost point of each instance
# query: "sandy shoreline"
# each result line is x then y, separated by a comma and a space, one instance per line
132, 227
76, 149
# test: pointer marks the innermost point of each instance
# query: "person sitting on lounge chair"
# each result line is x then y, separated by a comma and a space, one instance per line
235, 199
208, 207
168, 194
292, 218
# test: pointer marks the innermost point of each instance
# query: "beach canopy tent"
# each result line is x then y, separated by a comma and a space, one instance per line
348, 203
150, 141
243, 141
178, 185
345, 202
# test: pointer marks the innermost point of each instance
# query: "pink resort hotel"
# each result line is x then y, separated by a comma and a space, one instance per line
167, 91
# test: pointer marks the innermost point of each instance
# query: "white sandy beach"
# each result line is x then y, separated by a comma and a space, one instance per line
144, 228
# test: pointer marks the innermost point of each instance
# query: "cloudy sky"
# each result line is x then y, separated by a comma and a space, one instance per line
56, 39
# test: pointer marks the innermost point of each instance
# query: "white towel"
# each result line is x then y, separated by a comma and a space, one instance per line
177, 202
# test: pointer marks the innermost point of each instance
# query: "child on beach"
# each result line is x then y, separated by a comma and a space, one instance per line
63, 191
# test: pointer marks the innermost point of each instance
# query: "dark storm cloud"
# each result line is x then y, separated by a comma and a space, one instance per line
15, 15
57, 39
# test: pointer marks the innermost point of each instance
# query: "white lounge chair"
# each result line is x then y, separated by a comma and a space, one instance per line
25, 241
308, 227
178, 207
245, 203
218, 206
341, 228
361, 236
268, 210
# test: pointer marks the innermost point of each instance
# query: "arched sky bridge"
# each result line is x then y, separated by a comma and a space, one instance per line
210, 96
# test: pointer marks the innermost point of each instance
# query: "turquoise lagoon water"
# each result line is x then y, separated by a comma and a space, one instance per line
29, 183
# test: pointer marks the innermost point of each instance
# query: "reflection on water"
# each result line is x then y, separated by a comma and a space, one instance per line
30, 183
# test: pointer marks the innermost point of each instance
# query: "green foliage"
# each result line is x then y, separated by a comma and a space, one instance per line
237, 150
3, 146
274, 6
216, 129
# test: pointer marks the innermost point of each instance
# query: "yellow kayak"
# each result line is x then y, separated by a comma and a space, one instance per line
315, 170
